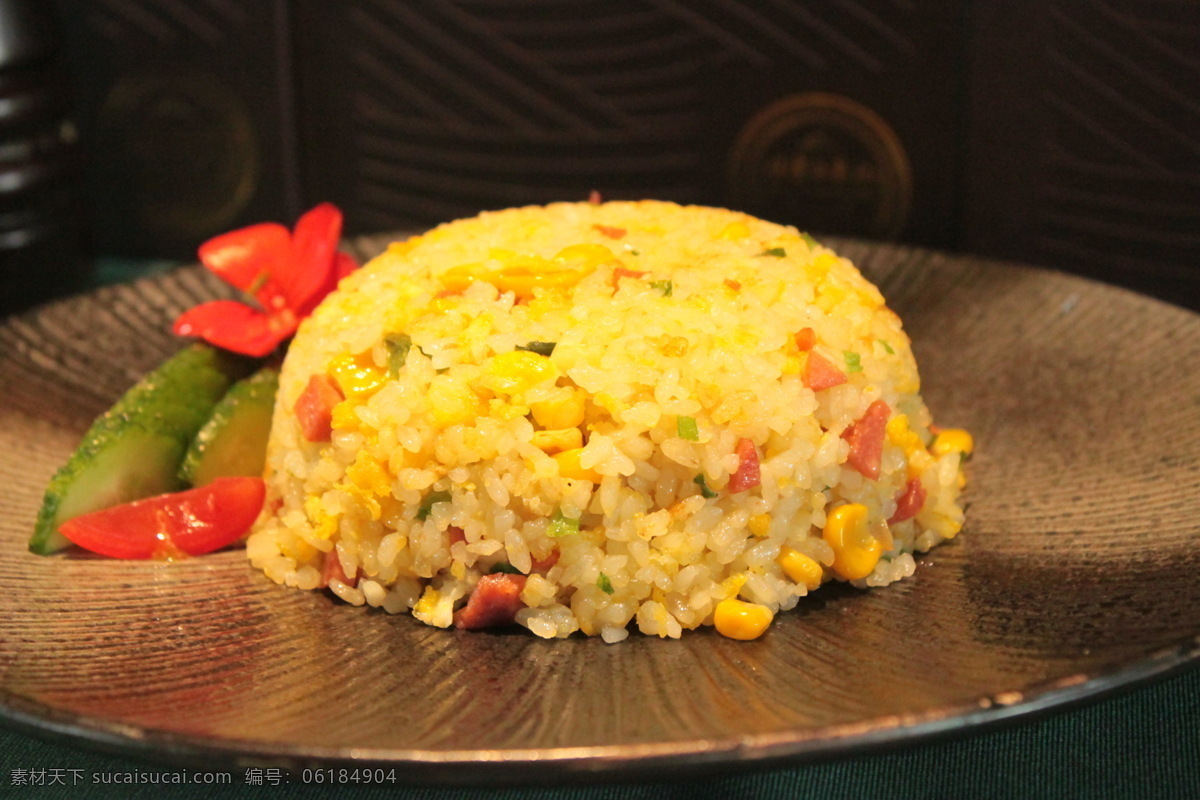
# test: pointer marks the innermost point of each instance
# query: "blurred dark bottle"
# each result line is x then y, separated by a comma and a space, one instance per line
41, 253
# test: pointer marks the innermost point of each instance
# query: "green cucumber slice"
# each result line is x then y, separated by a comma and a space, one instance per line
234, 440
134, 449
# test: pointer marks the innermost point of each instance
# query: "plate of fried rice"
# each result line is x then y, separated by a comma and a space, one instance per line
624, 487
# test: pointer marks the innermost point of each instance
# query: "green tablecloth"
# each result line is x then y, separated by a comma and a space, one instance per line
1140, 745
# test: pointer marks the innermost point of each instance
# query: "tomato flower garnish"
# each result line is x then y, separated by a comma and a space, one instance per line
287, 273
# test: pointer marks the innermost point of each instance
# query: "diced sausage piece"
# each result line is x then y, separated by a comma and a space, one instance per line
909, 502
495, 601
314, 407
866, 440
332, 568
806, 338
610, 231
621, 272
820, 373
748, 473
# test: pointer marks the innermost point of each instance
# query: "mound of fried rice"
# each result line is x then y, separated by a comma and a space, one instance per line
599, 416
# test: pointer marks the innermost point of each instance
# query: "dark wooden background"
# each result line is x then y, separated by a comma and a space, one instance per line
1060, 132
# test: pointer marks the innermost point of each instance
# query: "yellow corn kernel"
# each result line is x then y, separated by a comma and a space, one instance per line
344, 418
568, 466
734, 231
558, 440
357, 376
459, 278
800, 568
740, 620
564, 411
855, 550
452, 401
760, 525
900, 434
521, 274
522, 279
585, 255
518, 371
794, 364
952, 440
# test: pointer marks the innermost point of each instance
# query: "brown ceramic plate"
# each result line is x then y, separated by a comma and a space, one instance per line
1076, 574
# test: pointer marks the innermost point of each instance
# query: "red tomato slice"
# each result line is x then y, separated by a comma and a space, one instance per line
306, 280
237, 327
249, 258
190, 523
343, 265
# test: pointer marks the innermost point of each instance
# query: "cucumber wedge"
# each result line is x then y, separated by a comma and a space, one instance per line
233, 442
134, 449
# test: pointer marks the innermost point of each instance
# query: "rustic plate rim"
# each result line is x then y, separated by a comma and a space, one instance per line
691, 757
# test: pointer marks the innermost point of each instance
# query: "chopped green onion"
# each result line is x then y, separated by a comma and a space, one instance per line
887, 347
704, 490
853, 361
561, 525
778, 252
686, 428
666, 287
541, 348
505, 567
398, 345
810, 241
427, 504
605, 584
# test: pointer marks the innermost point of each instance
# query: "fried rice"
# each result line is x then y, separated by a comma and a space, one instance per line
603, 416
